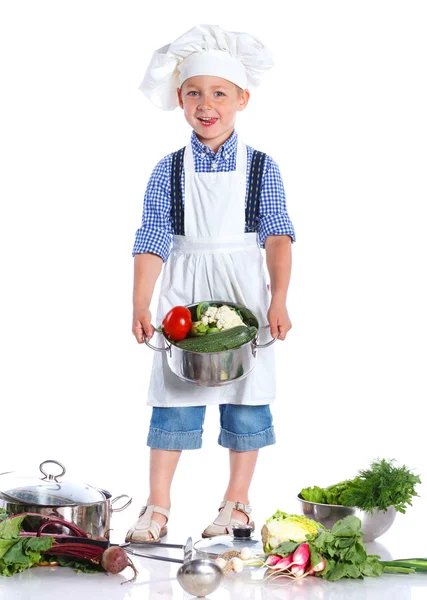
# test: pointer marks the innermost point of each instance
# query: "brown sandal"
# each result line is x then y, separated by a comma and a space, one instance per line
224, 522
146, 529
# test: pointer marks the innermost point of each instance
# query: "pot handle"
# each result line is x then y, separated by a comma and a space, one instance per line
167, 349
268, 343
120, 508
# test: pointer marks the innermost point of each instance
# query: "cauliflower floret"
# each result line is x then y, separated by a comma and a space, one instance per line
209, 316
227, 318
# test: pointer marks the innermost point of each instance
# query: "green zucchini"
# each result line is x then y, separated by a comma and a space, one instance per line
224, 340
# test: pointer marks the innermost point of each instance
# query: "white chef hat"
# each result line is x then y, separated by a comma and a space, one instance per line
204, 50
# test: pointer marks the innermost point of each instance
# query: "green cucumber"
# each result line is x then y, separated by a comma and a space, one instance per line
218, 342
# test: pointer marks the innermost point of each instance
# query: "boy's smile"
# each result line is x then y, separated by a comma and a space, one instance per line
210, 105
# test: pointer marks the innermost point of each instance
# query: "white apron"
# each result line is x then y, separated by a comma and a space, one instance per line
215, 260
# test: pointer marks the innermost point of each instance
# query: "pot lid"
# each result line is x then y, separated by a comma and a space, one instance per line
47, 490
239, 539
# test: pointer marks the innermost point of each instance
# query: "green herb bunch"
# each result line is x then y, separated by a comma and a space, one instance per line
381, 486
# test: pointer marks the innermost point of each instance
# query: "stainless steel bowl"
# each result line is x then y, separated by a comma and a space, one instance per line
373, 525
213, 369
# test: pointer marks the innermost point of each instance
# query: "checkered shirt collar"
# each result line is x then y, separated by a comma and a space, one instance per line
228, 147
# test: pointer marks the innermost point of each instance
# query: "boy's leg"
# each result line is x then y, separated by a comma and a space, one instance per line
163, 465
242, 468
244, 430
172, 429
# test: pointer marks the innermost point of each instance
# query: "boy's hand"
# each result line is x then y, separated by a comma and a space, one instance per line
278, 319
141, 325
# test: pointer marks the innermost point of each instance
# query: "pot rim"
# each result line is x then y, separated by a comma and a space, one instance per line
15, 501
342, 507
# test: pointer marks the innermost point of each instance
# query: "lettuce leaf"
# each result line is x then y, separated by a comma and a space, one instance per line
11, 528
18, 553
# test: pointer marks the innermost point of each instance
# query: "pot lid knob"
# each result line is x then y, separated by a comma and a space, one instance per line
241, 532
50, 476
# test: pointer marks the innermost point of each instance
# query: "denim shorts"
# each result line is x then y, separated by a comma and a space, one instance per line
242, 427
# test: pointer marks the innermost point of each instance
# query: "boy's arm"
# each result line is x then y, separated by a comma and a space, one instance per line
147, 268
152, 246
279, 262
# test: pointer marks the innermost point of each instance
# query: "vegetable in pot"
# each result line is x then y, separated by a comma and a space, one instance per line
381, 486
202, 307
222, 317
177, 323
198, 328
224, 340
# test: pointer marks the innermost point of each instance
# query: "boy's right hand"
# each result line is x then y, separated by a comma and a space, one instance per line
142, 325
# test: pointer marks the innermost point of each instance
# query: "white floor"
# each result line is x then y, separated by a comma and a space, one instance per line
157, 579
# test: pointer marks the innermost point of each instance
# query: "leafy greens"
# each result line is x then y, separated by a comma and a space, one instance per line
344, 552
381, 486
18, 553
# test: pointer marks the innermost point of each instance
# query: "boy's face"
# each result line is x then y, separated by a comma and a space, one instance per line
210, 105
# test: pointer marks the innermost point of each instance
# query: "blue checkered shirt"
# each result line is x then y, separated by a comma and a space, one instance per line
156, 231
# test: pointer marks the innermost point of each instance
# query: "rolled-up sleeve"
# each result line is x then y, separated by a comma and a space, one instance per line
273, 215
155, 233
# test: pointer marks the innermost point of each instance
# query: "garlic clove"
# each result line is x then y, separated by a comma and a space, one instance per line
221, 562
246, 554
236, 565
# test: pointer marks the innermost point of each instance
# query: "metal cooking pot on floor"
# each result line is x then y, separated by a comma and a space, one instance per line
213, 369
87, 507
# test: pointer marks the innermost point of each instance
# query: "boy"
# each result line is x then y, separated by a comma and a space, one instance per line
208, 210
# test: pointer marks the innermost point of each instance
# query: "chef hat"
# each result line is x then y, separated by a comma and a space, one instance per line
204, 50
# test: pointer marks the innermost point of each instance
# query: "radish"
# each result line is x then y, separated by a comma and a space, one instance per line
319, 567
115, 560
272, 560
282, 564
301, 555
298, 570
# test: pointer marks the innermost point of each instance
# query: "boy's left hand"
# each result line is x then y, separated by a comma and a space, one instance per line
278, 319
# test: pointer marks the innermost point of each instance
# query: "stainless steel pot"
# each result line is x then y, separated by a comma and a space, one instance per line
87, 507
213, 369
374, 524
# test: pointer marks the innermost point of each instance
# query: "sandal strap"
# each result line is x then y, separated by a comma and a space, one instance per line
146, 526
226, 508
149, 510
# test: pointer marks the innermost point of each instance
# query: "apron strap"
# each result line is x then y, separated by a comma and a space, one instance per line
254, 192
177, 210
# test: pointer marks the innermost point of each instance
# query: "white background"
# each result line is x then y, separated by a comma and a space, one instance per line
343, 113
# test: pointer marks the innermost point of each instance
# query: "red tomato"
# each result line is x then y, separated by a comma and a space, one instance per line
177, 323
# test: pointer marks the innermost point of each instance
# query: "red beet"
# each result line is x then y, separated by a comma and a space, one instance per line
115, 560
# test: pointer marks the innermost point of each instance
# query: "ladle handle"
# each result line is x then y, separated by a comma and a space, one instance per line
164, 558
188, 550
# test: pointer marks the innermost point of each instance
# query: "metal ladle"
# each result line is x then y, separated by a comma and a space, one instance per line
198, 577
